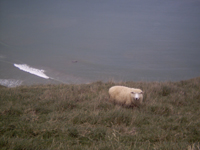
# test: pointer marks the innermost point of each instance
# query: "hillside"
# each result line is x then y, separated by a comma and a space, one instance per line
80, 117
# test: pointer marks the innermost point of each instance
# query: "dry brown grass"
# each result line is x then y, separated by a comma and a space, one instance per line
80, 117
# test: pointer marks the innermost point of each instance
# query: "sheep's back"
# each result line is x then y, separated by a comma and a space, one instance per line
119, 93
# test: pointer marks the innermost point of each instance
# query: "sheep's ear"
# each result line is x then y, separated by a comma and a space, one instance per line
142, 92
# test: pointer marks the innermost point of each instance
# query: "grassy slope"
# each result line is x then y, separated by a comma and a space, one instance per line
80, 117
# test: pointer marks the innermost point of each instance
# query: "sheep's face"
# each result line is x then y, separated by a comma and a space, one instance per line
137, 95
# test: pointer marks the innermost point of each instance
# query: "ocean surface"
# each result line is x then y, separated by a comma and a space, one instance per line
73, 42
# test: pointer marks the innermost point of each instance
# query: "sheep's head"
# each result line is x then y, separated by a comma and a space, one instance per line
137, 94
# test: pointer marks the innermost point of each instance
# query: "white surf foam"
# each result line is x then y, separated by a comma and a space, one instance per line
10, 82
37, 72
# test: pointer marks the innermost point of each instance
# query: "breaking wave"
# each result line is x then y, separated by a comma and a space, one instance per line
37, 72
10, 82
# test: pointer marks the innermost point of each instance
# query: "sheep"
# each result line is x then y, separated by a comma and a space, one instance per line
125, 96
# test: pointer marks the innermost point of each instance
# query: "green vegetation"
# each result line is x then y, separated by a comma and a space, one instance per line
80, 117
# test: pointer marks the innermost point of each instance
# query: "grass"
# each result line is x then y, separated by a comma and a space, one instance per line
80, 117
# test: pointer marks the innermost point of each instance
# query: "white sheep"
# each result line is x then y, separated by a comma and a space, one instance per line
126, 96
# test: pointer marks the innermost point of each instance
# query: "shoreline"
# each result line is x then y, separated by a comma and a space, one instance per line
54, 82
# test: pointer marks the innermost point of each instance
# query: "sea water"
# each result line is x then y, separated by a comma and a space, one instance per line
77, 42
